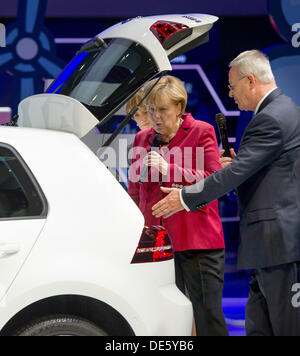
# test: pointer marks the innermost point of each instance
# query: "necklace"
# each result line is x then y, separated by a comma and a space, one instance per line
166, 143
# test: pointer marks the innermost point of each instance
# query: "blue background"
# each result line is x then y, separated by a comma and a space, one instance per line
256, 24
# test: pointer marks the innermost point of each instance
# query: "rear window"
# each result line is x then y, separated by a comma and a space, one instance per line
103, 81
20, 195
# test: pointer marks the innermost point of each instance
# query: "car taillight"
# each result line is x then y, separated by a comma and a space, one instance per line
154, 246
170, 33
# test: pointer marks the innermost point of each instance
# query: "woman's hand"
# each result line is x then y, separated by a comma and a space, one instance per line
154, 159
225, 161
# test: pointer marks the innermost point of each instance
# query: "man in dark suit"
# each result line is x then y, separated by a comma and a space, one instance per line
266, 173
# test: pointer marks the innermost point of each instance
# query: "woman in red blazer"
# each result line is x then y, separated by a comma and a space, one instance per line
187, 153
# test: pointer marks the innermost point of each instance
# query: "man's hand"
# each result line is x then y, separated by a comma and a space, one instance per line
168, 206
225, 161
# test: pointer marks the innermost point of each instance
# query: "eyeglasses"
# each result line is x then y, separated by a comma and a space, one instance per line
231, 86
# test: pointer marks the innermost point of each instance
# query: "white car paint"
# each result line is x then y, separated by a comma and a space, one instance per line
200, 23
70, 115
87, 242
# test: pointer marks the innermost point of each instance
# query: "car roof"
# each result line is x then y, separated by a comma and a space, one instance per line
23, 137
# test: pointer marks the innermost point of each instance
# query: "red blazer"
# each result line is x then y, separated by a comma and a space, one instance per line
203, 228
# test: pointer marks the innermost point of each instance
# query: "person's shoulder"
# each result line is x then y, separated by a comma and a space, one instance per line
142, 135
144, 132
198, 124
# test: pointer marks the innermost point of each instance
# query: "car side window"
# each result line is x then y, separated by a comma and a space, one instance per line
19, 193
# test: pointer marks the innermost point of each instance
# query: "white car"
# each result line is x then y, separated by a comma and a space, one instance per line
75, 257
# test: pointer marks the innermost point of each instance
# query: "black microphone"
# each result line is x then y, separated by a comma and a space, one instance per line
157, 140
221, 122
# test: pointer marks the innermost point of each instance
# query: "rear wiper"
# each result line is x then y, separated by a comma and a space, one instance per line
94, 45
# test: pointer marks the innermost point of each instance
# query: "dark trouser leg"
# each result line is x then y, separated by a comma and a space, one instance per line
278, 312
201, 274
257, 315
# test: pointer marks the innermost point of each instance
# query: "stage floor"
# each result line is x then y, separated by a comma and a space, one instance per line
234, 311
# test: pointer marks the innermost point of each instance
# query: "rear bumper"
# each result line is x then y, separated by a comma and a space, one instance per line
159, 307
168, 313
177, 311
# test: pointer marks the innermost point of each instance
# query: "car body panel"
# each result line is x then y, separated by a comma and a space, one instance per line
89, 238
38, 111
18, 237
167, 312
200, 23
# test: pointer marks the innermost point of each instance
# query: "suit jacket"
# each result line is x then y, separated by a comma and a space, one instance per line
267, 174
203, 229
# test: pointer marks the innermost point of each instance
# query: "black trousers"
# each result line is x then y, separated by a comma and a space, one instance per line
200, 275
273, 307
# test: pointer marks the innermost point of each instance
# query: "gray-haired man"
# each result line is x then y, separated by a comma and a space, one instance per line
266, 173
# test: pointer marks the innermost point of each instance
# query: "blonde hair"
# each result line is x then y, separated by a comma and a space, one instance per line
174, 88
256, 63
133, 101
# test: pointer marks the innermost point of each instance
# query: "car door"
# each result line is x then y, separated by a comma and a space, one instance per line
23, 210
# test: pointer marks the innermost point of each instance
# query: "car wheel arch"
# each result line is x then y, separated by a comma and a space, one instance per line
96, 311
